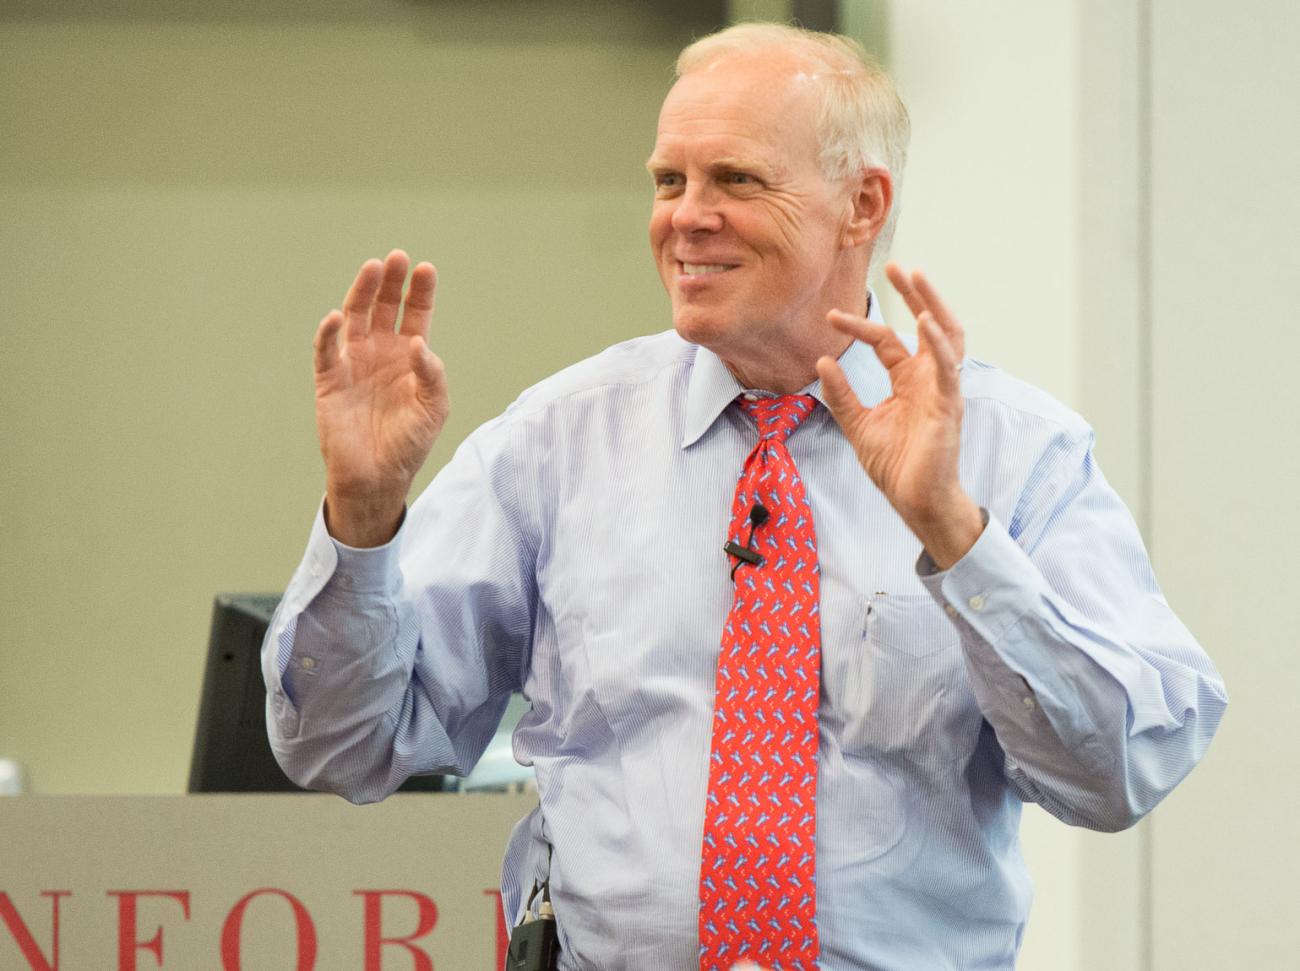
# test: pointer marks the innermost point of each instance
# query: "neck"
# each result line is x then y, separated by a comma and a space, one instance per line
788, 365
788, 373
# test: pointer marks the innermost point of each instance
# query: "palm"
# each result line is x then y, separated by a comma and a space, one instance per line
381, 398
909, 442
375, 423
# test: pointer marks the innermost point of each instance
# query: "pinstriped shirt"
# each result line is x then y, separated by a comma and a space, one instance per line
572, 550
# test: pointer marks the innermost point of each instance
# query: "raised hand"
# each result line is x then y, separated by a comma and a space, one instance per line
909, 443
381, 398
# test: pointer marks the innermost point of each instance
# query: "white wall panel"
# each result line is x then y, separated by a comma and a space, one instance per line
990, 211
1226, 462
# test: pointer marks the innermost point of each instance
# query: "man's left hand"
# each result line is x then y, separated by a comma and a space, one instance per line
909, 443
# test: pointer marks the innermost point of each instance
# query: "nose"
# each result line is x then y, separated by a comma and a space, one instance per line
696, 211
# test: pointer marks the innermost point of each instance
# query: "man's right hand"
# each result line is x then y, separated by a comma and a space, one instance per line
381, 398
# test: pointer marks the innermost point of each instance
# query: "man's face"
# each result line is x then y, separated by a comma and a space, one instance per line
746, 230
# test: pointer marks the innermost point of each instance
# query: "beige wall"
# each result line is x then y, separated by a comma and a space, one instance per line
183, 195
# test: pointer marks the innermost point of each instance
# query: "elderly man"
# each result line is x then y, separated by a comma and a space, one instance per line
804, 611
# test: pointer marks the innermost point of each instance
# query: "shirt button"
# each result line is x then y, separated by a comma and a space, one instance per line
976, 602
309, 663
1030, 704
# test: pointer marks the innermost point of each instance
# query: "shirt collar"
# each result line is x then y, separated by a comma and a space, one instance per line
712, 387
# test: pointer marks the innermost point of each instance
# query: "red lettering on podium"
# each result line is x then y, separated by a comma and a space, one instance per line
503, 931
374, 939
36, 960
127, 941
230, 956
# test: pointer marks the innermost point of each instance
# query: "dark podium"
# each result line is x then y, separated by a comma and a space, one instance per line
231, 751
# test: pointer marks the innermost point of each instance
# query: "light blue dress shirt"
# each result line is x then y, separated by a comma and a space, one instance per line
572, 550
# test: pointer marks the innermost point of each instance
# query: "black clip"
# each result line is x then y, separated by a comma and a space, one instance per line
758, 515
535, 943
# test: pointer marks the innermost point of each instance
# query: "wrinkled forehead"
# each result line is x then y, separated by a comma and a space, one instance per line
762, 100
759, 84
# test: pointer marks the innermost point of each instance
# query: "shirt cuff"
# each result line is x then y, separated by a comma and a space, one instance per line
991, 587
374, 569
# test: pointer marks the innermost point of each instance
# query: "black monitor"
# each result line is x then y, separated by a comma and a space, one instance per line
231, 751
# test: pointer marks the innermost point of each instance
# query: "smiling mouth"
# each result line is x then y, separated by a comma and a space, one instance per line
703, 269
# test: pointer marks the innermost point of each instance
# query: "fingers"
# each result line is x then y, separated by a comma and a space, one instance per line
389, 299
933, 338
921, 296
933, 341
326, 343
840, 397
904, 287
375, 298
942, 315
361, 299
882, 338
419, 301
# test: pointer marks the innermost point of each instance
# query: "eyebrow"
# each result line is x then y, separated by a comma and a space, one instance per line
723, 163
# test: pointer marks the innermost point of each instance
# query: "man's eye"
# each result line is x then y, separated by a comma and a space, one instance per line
740, 178
668, 180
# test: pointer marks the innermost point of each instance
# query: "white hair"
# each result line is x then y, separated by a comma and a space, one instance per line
861, 124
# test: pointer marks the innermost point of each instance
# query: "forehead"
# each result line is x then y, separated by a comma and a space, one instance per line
741, 107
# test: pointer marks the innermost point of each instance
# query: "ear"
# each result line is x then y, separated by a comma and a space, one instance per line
870, 199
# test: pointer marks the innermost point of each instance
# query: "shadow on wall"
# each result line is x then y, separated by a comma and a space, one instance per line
473, 21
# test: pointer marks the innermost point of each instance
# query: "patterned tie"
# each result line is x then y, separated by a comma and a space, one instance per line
757, 898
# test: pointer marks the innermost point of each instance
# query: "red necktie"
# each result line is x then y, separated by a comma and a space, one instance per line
757, 872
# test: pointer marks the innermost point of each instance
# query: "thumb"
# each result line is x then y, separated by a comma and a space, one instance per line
430, 379
427, 367
840, 397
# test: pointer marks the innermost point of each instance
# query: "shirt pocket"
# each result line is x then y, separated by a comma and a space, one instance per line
906, 695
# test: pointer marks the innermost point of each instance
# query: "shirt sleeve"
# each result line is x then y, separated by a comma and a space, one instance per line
399, 660
1099, 696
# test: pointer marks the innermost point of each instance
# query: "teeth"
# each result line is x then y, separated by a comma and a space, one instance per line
696, 269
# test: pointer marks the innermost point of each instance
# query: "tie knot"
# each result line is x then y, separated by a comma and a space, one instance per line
778, 417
